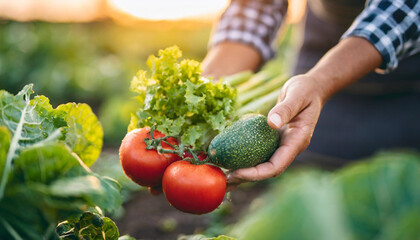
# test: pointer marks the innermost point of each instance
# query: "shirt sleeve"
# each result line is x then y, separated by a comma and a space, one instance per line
392, 26
252, 22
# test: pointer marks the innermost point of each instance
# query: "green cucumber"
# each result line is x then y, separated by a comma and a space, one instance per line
245, 143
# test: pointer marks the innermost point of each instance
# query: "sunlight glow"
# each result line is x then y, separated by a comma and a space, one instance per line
169, 9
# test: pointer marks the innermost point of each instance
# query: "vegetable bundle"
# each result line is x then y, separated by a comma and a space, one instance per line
44, 159
180, 113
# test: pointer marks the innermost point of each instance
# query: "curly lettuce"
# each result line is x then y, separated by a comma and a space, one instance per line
179, 102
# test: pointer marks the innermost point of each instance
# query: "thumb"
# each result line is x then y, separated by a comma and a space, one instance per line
284, 112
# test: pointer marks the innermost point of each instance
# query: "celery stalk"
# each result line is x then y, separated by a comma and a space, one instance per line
238, 78
261, 105
256, 80
261, 90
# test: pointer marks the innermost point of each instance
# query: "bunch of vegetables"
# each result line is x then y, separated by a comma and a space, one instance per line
44, 176
180, 113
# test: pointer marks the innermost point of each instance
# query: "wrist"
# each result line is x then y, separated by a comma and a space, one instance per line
322, 84
344, 64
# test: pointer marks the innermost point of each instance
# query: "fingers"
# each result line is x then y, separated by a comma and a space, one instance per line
295, 115
295, 139
290, 104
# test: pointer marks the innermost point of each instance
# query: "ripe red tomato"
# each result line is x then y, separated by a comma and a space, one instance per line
143, 166
201, 155
193, 188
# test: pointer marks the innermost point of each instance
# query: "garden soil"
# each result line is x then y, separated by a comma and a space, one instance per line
150, 217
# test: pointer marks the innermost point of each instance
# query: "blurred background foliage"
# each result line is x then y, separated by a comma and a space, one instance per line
94, 62
90, 62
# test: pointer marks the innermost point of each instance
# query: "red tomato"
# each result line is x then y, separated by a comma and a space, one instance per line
201, 155
193, 188
143, 166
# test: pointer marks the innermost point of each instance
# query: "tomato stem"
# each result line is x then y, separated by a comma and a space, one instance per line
156, 144
194, 160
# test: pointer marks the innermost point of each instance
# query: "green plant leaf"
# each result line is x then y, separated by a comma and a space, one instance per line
43, 177
44, 163
174, 97
109, 229
5, 138
29, 122
377, 198
84, 133
89, 225
98, 191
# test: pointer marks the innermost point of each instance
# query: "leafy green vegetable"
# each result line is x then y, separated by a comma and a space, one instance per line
179, 102
89, 225
44, 176
374, 199
35, 121
84, 132
5, 138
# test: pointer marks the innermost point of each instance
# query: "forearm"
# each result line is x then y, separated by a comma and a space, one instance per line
243, 36
348, 61
230, 57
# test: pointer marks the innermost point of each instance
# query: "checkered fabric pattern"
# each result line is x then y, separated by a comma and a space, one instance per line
251, 22
393, 27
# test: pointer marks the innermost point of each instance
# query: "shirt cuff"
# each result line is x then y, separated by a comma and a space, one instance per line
254, 23
392, 27
381, 42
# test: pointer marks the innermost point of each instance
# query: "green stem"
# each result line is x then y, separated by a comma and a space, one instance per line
261, 90
11, 230
14, 145
261, 105
170, 145
160, 149
195, 160
156, 144
258, 79
238, 78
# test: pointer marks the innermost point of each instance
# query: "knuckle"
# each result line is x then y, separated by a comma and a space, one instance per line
286, 112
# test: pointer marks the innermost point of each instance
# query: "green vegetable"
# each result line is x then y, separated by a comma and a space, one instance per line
89, 225
238, 78
245, 143
179, 102
378, 198
258, 79
262, 90
44, 156
261, 105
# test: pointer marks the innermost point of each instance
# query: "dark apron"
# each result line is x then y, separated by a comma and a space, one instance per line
378, 112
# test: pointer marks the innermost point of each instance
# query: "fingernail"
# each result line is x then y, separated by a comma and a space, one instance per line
275, 119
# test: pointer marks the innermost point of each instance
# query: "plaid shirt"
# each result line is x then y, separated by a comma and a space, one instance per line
251, 22
392, 26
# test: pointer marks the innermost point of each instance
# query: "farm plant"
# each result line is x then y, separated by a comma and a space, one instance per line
45, 153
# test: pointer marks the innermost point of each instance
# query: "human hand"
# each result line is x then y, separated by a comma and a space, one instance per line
295, 116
